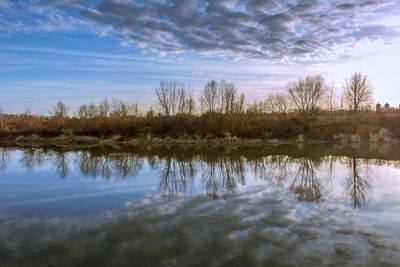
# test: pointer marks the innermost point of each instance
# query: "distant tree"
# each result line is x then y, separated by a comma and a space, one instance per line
308, 95
221, 97
60, 112
209, 97
104, 108
277, 103
2, 119
168, 97
174, 98
358, 93
123, 109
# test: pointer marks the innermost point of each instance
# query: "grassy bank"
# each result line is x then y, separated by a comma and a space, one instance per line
217, 129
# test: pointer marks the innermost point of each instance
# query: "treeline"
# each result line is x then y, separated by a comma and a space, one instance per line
309, 107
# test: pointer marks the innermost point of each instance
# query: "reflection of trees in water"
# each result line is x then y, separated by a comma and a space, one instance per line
5, 157
357, 185
175, 176
32, 157
116, 166
274, 169
306, 185
220, 177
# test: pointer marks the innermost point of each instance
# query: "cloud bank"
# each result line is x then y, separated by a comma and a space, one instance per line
272, 30
245, 29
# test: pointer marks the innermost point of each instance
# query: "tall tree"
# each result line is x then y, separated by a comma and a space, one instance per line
358, 92
308, 95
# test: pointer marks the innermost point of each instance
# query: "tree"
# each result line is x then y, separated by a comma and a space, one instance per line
123, 109
277, 103
60, 112
2, 119
168, 97
104, 108
308, 95
358, 92
209, 97
221, 97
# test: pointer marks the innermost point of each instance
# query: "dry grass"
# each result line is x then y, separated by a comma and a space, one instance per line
232, 127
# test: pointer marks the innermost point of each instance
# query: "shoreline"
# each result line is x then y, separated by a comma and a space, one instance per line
118, 142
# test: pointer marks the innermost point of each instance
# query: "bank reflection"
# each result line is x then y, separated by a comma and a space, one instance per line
218, 175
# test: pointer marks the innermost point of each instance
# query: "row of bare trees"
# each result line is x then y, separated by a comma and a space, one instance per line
306, 97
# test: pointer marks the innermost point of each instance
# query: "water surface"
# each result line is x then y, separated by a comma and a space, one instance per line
270, 206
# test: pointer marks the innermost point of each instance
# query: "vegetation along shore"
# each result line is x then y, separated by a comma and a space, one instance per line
309, 111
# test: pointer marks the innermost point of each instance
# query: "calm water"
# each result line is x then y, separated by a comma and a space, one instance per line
282, 206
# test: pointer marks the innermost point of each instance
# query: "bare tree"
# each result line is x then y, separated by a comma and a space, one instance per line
277, 103
209, 97
123, 109
60, 112
2, 118
186, 103
104, 108
358, 92
168, 97
308, 95
221, 97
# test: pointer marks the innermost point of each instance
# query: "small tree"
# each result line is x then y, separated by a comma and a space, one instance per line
358, 93
308, 96
168, 97
277, 103
60, 112
209, 97
2, 119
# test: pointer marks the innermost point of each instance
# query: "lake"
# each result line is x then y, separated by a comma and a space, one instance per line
316, 205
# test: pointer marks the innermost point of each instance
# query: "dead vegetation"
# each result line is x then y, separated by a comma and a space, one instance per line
307, 110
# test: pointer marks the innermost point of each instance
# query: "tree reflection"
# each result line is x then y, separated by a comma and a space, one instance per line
175, 176
32, 157
60, 163
218, 175
117, 166
357, 186
5, 157
221, 177
305, 184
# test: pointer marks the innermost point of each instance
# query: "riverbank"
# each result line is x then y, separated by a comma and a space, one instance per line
382, 137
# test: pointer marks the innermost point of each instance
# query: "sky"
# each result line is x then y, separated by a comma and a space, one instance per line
83, 51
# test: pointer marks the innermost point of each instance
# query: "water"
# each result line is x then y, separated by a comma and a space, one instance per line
270, 206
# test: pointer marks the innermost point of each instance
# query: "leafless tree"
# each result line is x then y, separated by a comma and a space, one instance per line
60, 110
308, 95
209, 97
88, 111
168, 97
186, 103
358, 92
2, 118
104, 108
277, 103
221, 97
123, 109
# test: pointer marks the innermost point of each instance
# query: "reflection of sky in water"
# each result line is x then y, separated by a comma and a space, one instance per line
89, 207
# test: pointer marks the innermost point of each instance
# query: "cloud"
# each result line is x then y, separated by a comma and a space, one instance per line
267, 30
243, 29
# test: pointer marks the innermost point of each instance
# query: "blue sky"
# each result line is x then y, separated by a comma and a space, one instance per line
82, 51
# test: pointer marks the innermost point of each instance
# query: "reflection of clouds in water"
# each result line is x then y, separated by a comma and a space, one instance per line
219, 175
255, 227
